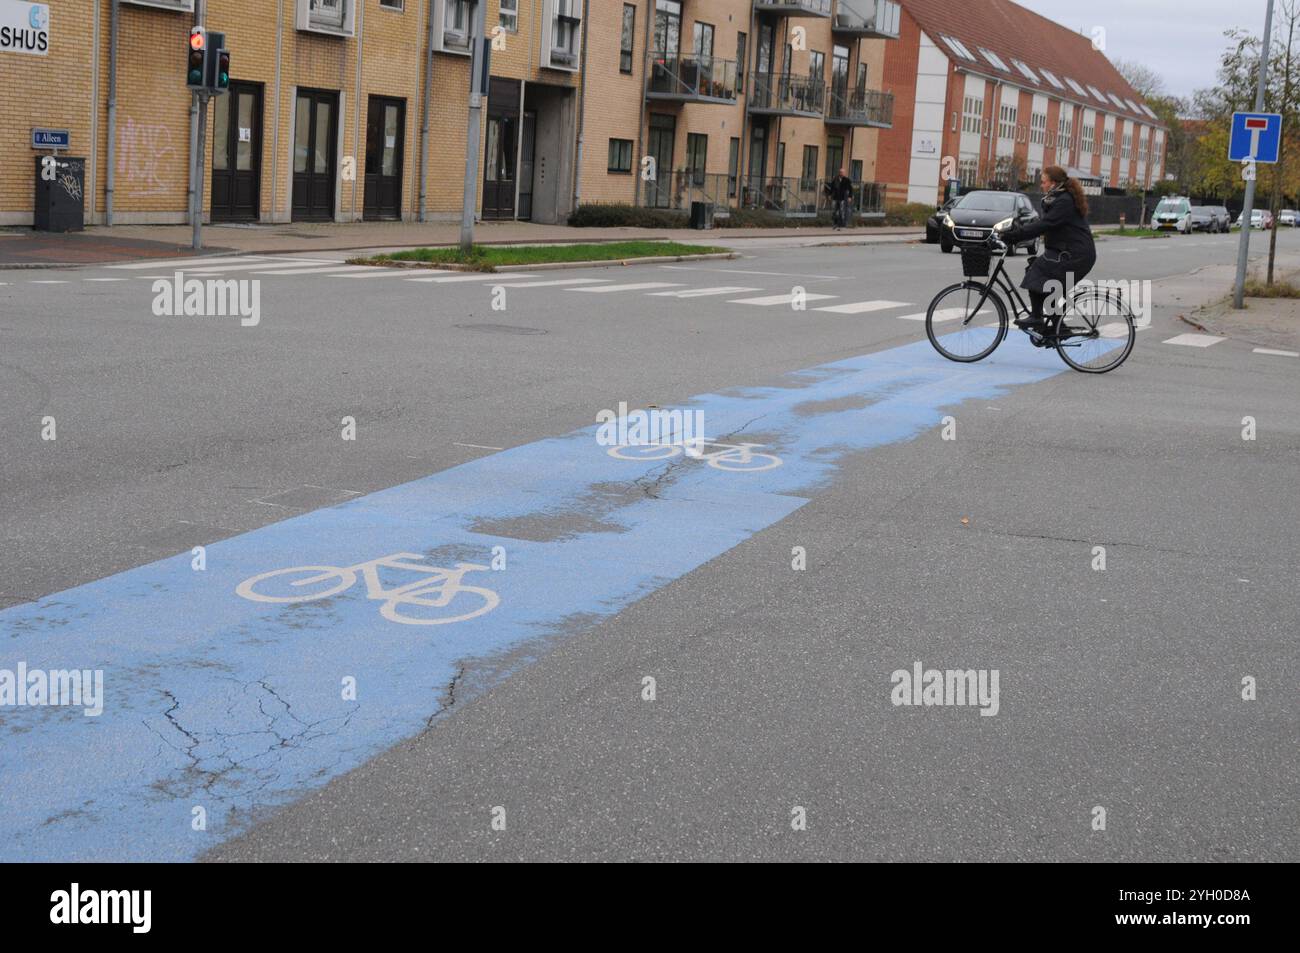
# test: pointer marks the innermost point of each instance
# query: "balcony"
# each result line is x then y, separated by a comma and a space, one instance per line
690, 79
867, 18
782, 95
794, 8
860, 107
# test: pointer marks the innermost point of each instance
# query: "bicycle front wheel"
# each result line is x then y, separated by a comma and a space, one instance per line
958, 331
1096, 332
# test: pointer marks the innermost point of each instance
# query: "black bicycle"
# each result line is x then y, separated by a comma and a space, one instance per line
1093, 329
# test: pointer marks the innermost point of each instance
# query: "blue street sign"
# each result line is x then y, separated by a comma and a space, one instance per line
51, 139
1255, 136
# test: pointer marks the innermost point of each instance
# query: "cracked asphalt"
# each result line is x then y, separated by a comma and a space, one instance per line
1119, 688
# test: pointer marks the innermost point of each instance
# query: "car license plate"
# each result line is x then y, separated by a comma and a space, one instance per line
970, 233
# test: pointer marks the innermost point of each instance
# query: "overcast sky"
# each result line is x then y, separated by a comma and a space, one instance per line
1182, 40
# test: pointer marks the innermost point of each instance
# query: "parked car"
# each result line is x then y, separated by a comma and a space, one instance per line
973, 216
1289, 217
1210, 218
1259, 218
934, 224
1173, 214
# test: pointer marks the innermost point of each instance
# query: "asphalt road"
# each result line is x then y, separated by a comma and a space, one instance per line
1119, 689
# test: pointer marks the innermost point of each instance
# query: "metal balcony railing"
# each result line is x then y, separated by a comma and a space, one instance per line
679, 189
783, 95
873, 18
799, 197
691, 78
860, 107
794, 8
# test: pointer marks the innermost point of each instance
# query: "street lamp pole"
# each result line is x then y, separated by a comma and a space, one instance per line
1243, 249
477, 90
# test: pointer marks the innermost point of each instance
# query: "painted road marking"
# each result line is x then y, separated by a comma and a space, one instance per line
188, 262
390, 273
741, 271
638, 286
771, 300
210, 698
703, 292
1194, 340
506, 283
254, 266
48, 281
333, 269
863, 307
107, 279
457, 276
1275, 352
943, 314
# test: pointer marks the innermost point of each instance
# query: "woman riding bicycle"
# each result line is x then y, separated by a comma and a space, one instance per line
1068, 250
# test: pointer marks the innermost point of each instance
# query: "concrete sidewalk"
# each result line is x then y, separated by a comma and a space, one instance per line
1264, 322
23, 247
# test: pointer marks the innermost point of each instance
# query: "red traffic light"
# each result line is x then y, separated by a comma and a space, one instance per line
198, 39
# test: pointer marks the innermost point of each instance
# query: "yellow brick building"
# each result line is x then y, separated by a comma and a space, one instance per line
326, 117
344, 110
739, 102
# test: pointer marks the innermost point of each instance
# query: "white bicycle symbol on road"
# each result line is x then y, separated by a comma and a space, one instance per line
730, 456
435, 590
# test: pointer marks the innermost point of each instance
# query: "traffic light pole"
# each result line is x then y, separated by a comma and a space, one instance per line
196, 208
1243, 249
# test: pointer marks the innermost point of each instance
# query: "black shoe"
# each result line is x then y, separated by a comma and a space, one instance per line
1036, 325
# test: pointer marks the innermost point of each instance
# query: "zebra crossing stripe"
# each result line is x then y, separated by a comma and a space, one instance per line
702, 292
770, 300
639, 286
862, 307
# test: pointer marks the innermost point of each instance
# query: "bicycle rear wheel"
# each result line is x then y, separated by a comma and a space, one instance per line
957, 331
1096, 332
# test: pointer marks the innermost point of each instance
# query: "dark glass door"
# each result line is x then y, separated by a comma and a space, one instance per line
237, 154
663, 130
316, 129
385, 140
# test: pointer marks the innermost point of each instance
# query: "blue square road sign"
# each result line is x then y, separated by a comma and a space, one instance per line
1255, 136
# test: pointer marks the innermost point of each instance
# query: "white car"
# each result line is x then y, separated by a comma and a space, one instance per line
1289, 217
1173, 214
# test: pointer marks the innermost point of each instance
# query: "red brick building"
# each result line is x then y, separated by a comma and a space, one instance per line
986, 91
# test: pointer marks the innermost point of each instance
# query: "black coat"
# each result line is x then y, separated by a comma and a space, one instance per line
840, 188
1068, 250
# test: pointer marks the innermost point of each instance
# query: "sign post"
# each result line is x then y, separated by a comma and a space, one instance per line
1255, 138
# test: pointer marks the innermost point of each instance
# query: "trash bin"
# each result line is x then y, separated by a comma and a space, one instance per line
60, 194
701, 215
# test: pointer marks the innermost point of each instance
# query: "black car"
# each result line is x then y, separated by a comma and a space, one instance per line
975, 213
934, 224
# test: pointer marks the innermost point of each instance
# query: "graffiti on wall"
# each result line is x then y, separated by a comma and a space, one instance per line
144, 151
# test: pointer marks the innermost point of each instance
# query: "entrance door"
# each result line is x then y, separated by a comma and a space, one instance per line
663, 130
314, 148
528, 150
501, 148
237, 154
385, 138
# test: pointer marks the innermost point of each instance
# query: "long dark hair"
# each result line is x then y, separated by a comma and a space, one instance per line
1061, 178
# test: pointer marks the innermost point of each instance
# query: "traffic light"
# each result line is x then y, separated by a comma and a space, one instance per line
196, 72
223, 70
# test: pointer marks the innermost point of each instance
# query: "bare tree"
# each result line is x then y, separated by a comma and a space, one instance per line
1142, 78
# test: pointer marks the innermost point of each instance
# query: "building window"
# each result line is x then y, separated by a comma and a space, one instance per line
628, 39
957, 46
1089, 138
742, 43
1108, 142
972, 114
834, 155
1007, 122
1038, 128
697, 156
566, 24
509, 16
1064, 130
457, 22
620, 155
967, 170
325, 16
816, 65
733, 164
856, 174
808, 176
1126, 146
668, 27
400, 4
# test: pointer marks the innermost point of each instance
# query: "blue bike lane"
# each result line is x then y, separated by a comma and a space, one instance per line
234, 706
